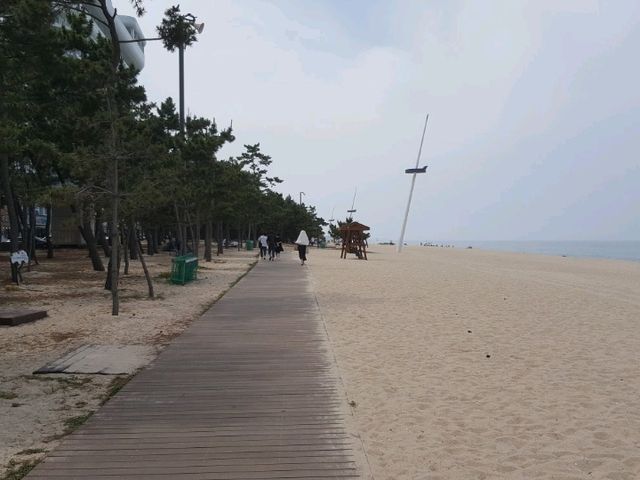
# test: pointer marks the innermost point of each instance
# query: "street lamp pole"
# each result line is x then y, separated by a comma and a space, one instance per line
182, 39
413, 171
199, 27
181, 68
301, 194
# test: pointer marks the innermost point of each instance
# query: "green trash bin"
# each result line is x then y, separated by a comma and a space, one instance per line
249, 244
184, 269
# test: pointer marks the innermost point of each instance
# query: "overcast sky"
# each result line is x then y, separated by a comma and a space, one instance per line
534, 129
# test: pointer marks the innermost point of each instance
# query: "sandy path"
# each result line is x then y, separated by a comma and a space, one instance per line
477, 365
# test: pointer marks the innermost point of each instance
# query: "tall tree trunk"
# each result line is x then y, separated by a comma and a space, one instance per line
115, 235
107, 281
108, 284
208, 234
86, 231
150, 249
126, 234
219, 237
133, 239
115, 252
22, 222
154, 235
196, 237
48, 230
154, 241
138, 246
27, 234
14, 228
227, 233
157, 240
180, 237
189, 233
101, 236
32, 236
112, 106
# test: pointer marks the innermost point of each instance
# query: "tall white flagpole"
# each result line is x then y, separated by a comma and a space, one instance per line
413, 182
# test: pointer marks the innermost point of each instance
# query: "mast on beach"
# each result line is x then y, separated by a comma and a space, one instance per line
353, 203
413, 172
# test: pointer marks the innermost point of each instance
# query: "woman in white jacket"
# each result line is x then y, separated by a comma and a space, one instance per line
302, 242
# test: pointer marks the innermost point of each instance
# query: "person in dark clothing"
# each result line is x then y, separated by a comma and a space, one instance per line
272, 246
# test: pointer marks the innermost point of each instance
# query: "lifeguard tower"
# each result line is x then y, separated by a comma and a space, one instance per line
353, 240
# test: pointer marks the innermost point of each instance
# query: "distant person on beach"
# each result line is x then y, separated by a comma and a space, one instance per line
303, 243
273, 246
279, 248
263, 244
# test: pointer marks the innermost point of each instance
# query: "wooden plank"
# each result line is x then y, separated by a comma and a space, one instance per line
253, 435
151, 469
246, 475
14, 317
196, 460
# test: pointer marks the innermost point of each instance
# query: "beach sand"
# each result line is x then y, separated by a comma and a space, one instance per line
468, 364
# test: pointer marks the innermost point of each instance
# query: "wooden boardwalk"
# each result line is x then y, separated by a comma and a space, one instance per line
247, 392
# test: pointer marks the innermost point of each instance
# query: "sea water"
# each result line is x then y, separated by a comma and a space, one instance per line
622, 250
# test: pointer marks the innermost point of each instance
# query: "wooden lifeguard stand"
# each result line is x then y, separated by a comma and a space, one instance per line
353, 240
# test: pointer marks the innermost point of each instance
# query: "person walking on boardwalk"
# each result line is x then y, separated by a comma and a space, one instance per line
302, 242
262, 243
273, 246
